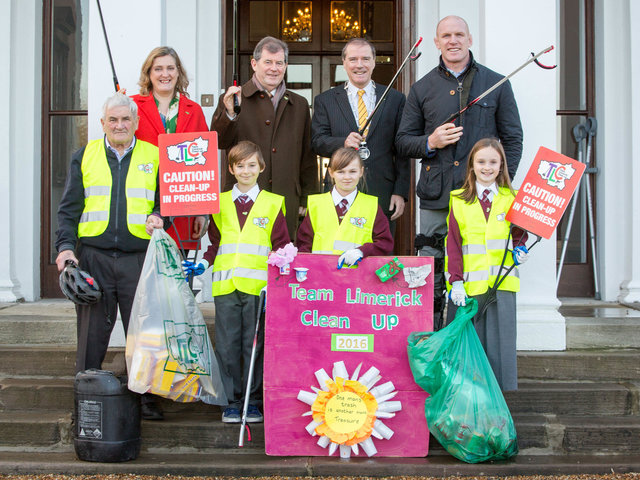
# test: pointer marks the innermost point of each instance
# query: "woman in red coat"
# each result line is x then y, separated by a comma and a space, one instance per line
164, 107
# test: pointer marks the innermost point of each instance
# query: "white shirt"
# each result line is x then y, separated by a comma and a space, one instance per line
252, 194
118, 156
369, 97
337, 198
493, 190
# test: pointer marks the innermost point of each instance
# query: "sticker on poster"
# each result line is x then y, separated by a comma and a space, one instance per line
189, 174
545, 192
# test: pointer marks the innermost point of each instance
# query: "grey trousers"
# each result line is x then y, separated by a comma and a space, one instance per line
434, 222
235, 326
497, 332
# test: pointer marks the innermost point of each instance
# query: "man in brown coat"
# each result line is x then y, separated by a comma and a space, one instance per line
279, 121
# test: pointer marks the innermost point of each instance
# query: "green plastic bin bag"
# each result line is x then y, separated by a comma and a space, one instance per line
466, 411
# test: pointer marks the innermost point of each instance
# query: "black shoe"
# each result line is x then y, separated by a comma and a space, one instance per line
151, 411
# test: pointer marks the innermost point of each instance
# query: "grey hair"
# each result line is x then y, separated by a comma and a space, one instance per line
273, 45
119, 100
358, 41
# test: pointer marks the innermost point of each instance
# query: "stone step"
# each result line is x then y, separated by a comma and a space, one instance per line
258, 465
49, 360
198, 432
601, 325
40, 330
574, 398
559, 398
587, 365
601, 365
610, 435
53, 322
186, 431
603, 333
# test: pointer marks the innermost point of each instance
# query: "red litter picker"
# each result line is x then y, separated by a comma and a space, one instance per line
534, 58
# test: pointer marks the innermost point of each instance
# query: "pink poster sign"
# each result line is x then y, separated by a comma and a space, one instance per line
336, 344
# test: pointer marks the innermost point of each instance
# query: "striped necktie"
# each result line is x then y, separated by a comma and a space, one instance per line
341, 208
362, 110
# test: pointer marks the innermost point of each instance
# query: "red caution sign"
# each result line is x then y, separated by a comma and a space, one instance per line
545, 192
189, 173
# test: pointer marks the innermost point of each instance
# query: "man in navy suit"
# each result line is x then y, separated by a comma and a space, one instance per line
337, 118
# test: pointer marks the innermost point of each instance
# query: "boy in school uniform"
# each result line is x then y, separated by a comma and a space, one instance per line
250, 224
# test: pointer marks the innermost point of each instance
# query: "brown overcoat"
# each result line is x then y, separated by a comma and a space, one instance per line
284, 136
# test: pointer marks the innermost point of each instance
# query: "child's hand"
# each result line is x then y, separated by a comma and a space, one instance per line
191, 269
520, 255
457, 294
350, 258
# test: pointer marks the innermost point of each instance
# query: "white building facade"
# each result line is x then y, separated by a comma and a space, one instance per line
504, 33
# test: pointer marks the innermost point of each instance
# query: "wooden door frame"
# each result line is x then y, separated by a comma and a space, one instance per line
577, 278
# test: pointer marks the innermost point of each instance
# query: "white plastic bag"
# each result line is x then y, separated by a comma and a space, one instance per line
169, 352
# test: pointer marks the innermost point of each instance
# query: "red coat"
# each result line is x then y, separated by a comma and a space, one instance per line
190, 118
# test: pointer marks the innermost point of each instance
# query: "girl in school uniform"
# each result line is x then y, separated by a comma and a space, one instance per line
477, 237
345, 222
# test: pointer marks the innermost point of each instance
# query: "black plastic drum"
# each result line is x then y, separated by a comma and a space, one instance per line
107, 418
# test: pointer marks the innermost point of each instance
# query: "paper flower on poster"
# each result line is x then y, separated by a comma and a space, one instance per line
346, 411
283, 256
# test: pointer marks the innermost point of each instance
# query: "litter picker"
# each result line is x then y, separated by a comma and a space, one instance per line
236, 102
245, 407
409, 56
491, 295
116, 84
491, 89
363, 150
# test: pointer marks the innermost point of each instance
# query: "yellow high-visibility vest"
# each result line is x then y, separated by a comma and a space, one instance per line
241, 260
331, 236
483, 243
140, 188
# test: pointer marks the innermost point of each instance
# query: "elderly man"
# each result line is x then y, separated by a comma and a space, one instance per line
443, 147
278, 121
339, 114
108, 211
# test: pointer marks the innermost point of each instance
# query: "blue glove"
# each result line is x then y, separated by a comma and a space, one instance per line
191, 269
350, 258
520, 255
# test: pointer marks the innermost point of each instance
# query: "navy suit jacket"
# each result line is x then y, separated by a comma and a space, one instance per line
386, 172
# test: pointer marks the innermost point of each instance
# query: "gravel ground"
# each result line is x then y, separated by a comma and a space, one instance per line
612, 476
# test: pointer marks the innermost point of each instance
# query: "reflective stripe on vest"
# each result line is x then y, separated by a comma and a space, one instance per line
483, 243
241, 259
334, 237
140, 187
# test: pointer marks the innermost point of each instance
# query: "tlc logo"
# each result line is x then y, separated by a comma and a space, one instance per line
189, 152
555, 173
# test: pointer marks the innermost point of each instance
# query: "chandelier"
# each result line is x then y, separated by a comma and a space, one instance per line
343, 26
298, 28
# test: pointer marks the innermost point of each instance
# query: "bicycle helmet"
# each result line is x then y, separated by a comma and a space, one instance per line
78, 286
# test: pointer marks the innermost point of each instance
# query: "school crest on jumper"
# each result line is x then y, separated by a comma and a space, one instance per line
358, 221
261, 222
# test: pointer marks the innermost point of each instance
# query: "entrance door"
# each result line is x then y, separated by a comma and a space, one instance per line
315, 32
64, 116
576, 103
